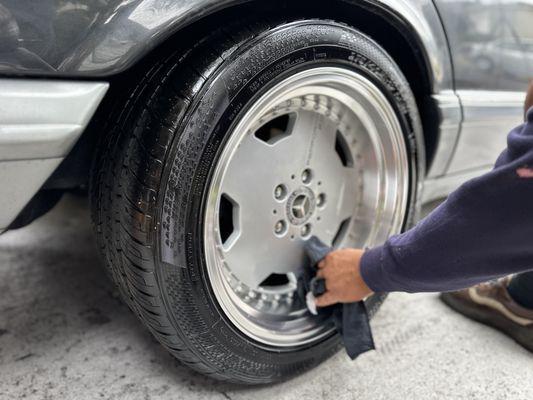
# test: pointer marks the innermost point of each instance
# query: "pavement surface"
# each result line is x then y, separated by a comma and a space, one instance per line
64, 334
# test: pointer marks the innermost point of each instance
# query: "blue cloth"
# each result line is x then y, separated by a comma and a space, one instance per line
351, 320
483, 231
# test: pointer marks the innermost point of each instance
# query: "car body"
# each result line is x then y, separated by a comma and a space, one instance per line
79, 46
463, 71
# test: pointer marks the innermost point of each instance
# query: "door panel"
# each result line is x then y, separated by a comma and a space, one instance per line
492, 50
487, 118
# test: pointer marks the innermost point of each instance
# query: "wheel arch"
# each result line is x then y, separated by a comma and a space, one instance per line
411, 33
388, 26
416, 26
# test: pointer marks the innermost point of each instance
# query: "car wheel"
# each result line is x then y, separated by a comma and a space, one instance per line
224, 160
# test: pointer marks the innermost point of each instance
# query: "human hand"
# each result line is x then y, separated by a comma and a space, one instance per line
341, 272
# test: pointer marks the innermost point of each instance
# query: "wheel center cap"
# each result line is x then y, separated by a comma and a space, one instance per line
301, 206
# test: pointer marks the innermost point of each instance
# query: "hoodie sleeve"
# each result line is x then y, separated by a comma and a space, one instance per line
484, 230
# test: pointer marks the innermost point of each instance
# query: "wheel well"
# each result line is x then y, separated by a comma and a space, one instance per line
391, 33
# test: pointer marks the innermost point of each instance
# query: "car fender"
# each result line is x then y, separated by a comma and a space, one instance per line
100, 39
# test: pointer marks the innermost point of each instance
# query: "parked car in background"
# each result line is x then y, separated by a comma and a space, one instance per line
216, 136
505, 57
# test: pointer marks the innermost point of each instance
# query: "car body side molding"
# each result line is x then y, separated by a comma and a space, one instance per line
40, 121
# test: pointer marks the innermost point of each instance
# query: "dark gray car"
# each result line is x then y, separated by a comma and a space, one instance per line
216, 136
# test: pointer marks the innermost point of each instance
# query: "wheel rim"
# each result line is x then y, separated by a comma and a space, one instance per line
321, 153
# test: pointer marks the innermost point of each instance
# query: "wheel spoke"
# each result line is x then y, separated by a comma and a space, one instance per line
245, 255
255, 251
249, 185
311, 137
341, 193
348, 187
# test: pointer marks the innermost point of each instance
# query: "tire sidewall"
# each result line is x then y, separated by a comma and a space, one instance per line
247, 73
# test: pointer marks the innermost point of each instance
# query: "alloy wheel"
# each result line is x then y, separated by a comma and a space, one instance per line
321, 153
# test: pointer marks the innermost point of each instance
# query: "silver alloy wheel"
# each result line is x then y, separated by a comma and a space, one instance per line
321, 153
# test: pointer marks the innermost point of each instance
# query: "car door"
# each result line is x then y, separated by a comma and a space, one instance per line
491, 43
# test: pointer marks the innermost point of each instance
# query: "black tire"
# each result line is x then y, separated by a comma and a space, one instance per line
154, 164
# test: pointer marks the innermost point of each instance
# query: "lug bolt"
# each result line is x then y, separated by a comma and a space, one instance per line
321, 200
306, 230
307, 176
279, 192
279, 228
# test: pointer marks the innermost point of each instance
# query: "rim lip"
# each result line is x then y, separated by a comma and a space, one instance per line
268, 100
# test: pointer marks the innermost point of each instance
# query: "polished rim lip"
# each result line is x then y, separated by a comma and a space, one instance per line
224, 295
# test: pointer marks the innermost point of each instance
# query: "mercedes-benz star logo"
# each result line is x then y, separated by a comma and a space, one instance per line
301, 206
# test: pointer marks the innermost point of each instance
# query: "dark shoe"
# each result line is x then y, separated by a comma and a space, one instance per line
490, 304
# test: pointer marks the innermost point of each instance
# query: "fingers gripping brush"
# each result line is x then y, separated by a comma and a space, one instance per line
350, 320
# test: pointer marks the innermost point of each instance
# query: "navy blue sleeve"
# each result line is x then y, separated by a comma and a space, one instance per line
484, 230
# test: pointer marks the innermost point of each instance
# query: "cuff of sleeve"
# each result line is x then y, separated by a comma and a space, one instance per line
370, 269
379, 271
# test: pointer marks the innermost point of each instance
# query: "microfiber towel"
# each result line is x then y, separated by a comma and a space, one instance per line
351, 320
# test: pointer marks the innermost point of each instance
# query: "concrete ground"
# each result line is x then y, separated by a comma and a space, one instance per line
65, 335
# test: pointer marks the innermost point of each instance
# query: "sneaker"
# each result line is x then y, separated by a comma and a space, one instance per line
491, 304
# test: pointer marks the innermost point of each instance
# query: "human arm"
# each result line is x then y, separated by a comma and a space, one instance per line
484, 230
